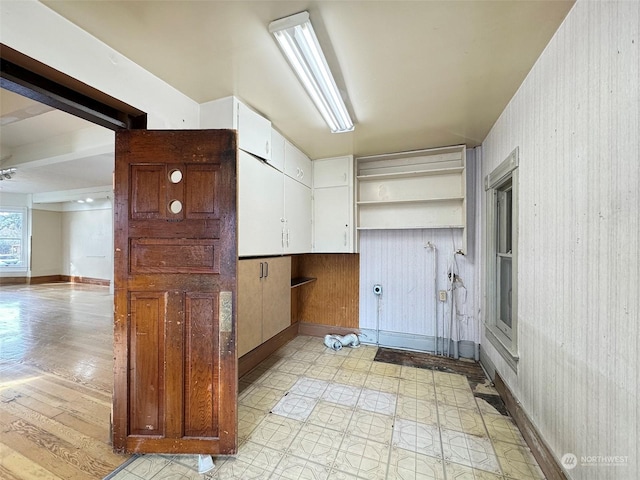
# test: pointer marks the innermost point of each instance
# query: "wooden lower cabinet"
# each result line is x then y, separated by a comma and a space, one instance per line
264, 300
249, 306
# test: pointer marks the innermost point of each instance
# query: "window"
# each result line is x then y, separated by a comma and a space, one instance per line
504, 256
13, 239
502, 240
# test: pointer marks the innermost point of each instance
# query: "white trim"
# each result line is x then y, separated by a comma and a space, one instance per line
418, 343
508, 165
507, 346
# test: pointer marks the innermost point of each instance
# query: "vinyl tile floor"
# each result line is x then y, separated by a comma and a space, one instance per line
309, 412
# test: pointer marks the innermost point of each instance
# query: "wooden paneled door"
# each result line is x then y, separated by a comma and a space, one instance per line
175, 387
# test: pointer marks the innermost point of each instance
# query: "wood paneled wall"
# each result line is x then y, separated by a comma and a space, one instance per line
576, 121
333, 298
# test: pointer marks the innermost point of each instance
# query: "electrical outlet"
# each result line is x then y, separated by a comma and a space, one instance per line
443, 295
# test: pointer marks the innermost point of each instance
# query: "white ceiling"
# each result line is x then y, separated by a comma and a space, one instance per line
48, 149
416, 74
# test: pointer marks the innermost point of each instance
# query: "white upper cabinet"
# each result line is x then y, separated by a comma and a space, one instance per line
333, 206
277, 150
254, 131
274, 210
333, 172
274, 182
297, 215
297, 165
297, 236
260, 207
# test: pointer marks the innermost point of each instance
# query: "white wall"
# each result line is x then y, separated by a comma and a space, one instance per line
69, 239
576, 120
87, 242
399, 261
46, 243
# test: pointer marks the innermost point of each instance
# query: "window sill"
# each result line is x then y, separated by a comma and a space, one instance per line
503, 345
13, 270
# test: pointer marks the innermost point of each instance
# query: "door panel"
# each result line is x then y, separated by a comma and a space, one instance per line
175, 388
189, 255
147, 350
201, 411
201, 203
147, 191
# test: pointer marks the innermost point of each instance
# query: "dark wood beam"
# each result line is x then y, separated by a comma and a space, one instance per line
30, 78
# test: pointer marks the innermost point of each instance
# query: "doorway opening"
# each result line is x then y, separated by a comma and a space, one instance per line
59, 388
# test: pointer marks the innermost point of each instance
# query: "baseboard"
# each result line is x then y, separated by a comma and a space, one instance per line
31, 280
251, 360
418, 343
46, 279
487, 364
541, 451
318, 330
89, 280
53, 279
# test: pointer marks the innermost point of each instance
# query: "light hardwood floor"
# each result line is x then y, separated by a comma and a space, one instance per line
56, 378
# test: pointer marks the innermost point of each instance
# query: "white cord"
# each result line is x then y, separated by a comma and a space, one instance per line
378, 321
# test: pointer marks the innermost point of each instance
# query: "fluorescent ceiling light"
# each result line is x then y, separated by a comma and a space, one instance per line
300, 45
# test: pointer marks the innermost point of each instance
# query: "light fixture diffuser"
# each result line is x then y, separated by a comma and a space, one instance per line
300, 45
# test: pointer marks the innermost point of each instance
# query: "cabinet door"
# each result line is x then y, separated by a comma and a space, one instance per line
297, 210
249, 306
260, 207
254, 132
277, 150
332, 172
332, 220
297, 165
276, 296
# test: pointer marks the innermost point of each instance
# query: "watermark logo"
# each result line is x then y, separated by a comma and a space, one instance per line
569, 461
